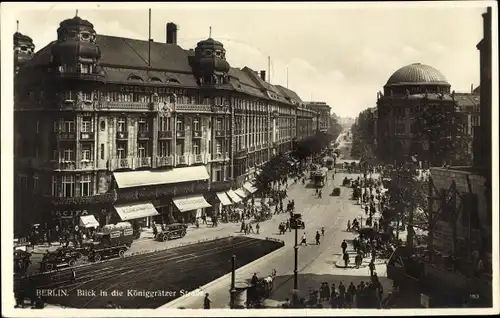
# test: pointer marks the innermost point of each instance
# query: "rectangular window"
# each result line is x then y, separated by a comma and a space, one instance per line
86, 125
87, 96
122, 125
180, 124
165, 148
68, 155
68, 183
179, 147
35, 182
218, 175
85, 185
143, 125
121, 150
85, 69
102, 151
69, 95
86, 153
218, 124
218, 147
54, 192
196, 146
196, 124
165, 124
68, 126
142, 150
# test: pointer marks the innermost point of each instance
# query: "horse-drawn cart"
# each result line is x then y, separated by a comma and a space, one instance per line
260, 289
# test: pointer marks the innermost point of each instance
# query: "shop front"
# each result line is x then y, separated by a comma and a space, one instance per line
242, 193
138, 213
250, 188
67, 218
191, 207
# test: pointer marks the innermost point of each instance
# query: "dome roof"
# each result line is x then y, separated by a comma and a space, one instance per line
417, 74
209, 43
76, 21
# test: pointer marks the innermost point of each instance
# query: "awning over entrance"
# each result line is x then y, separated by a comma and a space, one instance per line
135, 211
250, 187
130, 179
234, 197
191, 202
223, 198
87, 221
241, 193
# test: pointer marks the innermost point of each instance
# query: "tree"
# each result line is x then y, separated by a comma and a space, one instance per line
443, 129
335, 127
363, 135
273, 170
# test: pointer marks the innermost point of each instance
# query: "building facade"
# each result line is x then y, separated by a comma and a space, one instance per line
324, 114
124, 129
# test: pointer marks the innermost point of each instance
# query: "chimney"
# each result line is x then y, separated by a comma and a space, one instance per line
263, 75
471, 88
171, 33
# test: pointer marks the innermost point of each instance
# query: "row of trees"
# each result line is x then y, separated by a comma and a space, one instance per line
281, 164
363, 138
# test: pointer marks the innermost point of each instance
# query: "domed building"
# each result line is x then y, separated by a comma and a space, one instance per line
408, 91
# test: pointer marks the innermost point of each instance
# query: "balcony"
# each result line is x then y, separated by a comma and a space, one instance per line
182, 160
86, 165
165, 161
122, 135
62, 165
120, 163
87, 136
180, 134
142, 162
197, 134
240, 153
127, 105
167, 134
66, 136
143, 135
220, 133
219, 186
199, 158
72, 105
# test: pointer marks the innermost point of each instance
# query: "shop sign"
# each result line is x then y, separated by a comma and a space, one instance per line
152, 90
69, 213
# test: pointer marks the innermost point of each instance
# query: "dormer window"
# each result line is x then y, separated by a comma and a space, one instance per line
155, 79
24, 48
208, 52
218, 53
172, 80
135, 77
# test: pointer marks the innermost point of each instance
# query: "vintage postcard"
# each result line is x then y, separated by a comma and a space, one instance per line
193, 159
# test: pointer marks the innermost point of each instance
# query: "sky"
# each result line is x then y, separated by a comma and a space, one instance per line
342, 54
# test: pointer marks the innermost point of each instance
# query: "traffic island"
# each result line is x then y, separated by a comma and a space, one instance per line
339, 262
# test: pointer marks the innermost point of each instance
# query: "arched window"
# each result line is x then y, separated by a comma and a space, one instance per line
135, 77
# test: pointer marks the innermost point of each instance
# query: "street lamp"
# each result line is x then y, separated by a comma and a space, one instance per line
296, 262
233, 279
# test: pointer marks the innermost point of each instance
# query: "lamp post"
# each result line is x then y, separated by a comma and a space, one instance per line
233, 279
296, 261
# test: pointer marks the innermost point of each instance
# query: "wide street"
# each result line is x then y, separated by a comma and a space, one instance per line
316, 262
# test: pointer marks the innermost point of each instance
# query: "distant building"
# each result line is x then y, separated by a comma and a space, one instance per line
324, 114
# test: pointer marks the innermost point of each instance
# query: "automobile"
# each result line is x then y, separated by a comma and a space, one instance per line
113, 241
172, 231
62, 257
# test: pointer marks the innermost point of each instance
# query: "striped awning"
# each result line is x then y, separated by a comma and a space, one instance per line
241, 193
234, 197
250, 187
135, 211
191, 202
223, 198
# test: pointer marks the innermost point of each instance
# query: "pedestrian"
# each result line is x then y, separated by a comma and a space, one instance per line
371, 266
318, 236
348, 225
357, 260
257, 227
288, 225
206, 302
346, 259
327, 291
342, 295
322, 231
303, 241
343, 246
374, 254
250, 228
351, 291
242, 226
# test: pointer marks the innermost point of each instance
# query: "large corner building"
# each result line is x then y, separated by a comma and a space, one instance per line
127, 129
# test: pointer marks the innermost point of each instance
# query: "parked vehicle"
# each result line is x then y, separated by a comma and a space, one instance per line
113, 241
260, 290
62, 257
319, 177
172, 231
21, 260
